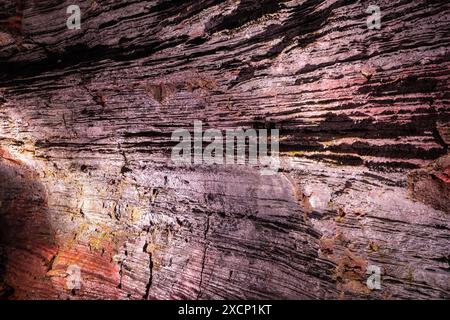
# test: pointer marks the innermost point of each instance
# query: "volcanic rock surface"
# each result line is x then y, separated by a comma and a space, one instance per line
86, 176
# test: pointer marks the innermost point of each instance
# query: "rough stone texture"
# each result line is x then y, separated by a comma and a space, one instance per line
432, 184
86, 177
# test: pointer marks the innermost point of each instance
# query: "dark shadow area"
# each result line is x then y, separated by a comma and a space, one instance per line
25, 233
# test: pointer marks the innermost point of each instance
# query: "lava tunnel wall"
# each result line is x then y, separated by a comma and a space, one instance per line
93, 205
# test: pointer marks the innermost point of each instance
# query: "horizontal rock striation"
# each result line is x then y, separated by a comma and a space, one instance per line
86, 179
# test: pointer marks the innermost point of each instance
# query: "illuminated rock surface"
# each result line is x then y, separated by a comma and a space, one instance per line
85, 138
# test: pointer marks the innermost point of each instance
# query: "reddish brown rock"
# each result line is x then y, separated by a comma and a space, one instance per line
432, 184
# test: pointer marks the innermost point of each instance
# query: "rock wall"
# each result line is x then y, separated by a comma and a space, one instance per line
86, 177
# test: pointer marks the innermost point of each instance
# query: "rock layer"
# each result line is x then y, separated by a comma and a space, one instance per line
85, 136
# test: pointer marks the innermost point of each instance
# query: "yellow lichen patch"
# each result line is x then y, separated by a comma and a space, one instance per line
151, 247
28, 149
297, 153
98, 240
373, 246
153, 195
340, 215
327, 143
48, 173
409, 275
330, 204
151, 243
158, 240
135, 214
